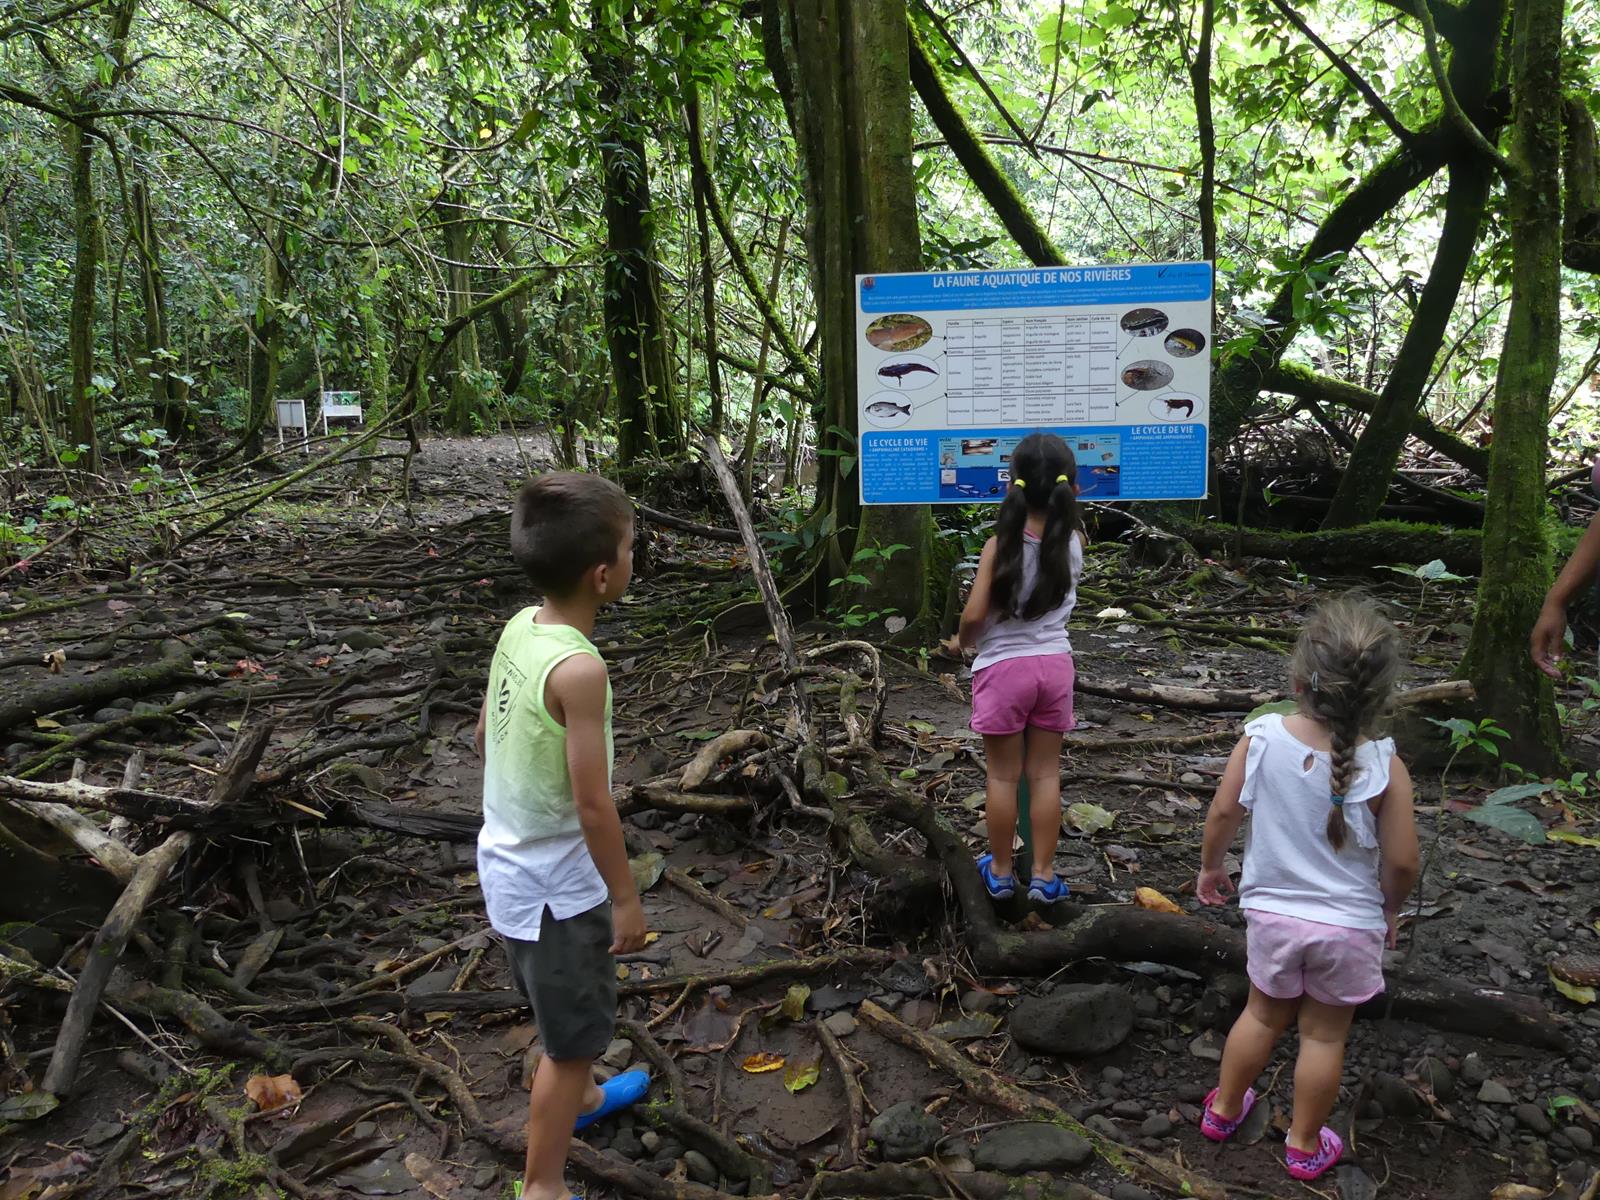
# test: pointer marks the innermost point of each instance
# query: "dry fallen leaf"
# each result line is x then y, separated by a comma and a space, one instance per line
56, 660
760, 1064
1146, 897
1517, 1191
435, 1180
272, 1091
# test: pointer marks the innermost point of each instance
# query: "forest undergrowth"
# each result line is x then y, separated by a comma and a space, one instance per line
313, 1004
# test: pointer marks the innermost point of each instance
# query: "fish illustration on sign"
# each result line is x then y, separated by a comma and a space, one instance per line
898, 331
885, 409
898, 371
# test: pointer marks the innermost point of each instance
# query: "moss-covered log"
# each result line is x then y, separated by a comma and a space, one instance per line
1361, 548
1516, 550
1580, 229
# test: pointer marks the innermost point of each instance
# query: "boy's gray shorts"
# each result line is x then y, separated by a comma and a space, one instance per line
570, 978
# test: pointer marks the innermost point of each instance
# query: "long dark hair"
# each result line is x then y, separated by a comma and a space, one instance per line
1344, 667
1044, 475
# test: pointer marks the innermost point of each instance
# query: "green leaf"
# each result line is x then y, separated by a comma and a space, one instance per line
28, 1106
1436, 572
1517, 791
966, 1029
1572, 839
1572, 991
1509, 820
647, 870
1286, 707
794, 1002
798, 1076
918, 725
1089, 818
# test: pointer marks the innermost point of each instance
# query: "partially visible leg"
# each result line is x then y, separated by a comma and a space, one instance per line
1041, 764
1248, 1048
561, 1089
1323, 1031
1003, 757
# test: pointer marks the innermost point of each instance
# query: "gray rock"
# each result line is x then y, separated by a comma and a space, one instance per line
433, 981
618, 1053
668, 1150
1474, 1070
841, 1024
1192, 1093
904, 1132
1207, 1046
1396, 1095
1437, 1076
650, 1140
1107, 1128
1495, 1092
1113, 1075
1128, 1110
628, 1144
700, 1168
1158, 1125
1579, 1138
1032, 1146
1533, 1118
1355, 1184
359, 639
1076, 1021
1130, 1191
105, 716
979, 1001
484, 1178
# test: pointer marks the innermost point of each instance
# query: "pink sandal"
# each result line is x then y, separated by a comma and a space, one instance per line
1305, 1167
1218, 1129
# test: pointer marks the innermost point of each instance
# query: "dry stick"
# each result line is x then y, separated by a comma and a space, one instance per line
703, 896
105, 849
988, 1088
103, 956
854, 1099
770, 598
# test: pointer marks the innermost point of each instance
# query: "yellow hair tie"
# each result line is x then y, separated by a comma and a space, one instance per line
1020, 483
1061, 479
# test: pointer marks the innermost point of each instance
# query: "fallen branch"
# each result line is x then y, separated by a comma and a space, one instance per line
724, 745
83, 691
714, 533
1450, 691
986, 1087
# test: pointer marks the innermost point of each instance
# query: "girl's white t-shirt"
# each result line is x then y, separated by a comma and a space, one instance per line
1009, 637
1290, 867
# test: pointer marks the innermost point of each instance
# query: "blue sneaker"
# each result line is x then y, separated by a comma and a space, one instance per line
1001, 887
621, 1091
1051, 890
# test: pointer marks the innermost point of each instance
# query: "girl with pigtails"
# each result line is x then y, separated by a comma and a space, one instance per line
1331, 855
1016, 620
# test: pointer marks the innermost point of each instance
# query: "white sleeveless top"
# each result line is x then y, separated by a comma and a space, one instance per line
1290, 867
1008, 637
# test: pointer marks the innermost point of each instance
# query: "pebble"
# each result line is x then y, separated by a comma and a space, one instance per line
840, 1024
1579, 1138
700, 1168
1209, 1047
1495, 1092
1192, 778
650, 1140
1128, 1110
628, 1144
1112, 1075
1106, 1127
1533, 1118
976, 1000
1192, 1093
1474, 1070
1031, 1146
904, 1132
484, 1177
618, 1053
1436, 1075
1158, 1125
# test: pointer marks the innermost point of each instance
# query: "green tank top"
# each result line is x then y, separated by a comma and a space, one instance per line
527, 792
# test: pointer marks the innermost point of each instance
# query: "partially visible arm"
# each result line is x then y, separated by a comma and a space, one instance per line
976, 611
483, 717
1549, 632
576, 692
1222, 826
1397, 842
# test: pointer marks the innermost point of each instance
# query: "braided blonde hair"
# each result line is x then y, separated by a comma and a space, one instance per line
1344, 668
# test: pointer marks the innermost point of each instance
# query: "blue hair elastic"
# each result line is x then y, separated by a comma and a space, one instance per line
1338, 800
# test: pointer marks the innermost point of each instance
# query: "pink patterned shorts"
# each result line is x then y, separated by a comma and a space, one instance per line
1288, 957
1016, 693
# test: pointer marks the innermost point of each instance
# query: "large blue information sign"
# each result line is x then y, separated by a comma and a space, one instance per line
954, 368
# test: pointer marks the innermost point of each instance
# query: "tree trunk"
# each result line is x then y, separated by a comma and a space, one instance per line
85, 269
648, 418
516, 320
1516, 551
266, 344
1365, 483
843, 68
465, 397
1581, 221
699, 171
168, 396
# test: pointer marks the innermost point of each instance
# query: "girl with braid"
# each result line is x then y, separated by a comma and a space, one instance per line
1331, 854
1016, 620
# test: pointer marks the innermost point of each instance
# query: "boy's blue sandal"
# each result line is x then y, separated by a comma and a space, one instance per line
1049, 890
1001, 887
621, 1091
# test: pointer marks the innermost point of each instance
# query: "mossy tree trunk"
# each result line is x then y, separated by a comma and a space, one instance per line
85, 272
168, 394
843, 69
465, 400
648, 417
1365, 483
1516, 553
510, 322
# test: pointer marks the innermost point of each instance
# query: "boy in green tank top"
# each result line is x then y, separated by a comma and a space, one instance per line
551, 857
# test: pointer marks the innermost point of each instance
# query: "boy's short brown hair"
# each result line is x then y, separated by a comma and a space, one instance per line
566, 523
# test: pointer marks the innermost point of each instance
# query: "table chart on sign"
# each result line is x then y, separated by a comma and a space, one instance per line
1030, 370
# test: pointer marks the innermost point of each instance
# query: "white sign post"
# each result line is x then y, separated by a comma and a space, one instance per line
954, 368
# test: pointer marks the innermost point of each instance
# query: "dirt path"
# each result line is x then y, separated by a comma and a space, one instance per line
364, 641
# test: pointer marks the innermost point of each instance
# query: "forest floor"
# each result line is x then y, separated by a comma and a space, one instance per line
359, 960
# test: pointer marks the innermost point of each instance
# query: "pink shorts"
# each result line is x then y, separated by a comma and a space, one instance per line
1015, 693
1288, 957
